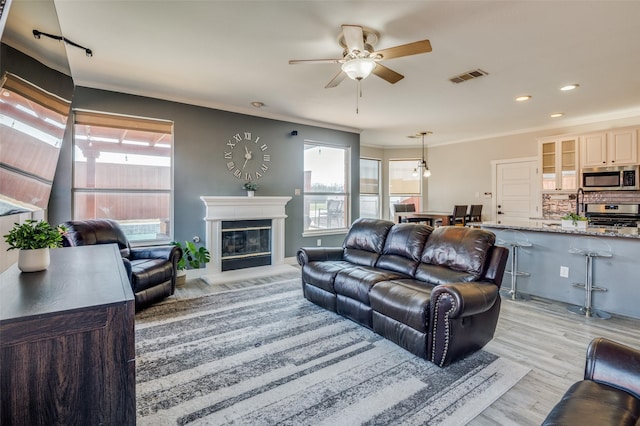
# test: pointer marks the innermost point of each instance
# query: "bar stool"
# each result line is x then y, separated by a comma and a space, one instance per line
590, 248
515, 240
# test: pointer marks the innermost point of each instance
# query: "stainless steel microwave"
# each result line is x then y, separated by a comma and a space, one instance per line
610, 178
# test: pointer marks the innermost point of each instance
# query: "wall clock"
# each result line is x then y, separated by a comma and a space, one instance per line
247, 156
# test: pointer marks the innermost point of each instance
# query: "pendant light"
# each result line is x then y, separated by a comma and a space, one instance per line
423, 164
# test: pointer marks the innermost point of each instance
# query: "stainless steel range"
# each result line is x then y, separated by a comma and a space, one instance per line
615, 215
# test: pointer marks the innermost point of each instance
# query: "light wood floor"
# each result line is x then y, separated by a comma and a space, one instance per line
538, 334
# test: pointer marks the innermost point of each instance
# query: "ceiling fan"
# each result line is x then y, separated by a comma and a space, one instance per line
359, 59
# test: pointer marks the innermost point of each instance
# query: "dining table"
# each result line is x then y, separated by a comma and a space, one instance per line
426, 216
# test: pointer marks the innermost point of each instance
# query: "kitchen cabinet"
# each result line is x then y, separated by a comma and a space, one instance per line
559, 163
615, 148
67, 347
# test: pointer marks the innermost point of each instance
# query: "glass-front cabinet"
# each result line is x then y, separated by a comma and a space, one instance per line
559, 164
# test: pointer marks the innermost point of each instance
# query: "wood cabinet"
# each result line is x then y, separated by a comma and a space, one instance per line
67, 343
614, 148
559, 164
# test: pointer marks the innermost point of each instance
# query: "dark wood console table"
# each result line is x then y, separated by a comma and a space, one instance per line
67, 343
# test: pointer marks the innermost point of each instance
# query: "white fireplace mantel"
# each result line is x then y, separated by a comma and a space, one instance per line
243, 208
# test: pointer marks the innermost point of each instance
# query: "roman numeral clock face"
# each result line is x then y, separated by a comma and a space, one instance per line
247, 157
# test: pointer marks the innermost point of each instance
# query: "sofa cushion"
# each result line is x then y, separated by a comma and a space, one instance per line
100, 231
355, 283
403, 247
458, 248
406, 301
323, 274
435, 275
591, 403
365, 241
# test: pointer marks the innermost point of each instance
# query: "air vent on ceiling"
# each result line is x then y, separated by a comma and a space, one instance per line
468, 76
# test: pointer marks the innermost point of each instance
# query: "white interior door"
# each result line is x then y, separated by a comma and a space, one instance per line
518, 194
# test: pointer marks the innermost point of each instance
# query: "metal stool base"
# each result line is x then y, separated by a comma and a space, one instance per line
589, 313
515, 295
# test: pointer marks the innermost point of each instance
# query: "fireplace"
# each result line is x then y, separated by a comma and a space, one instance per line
245, 244
244, 232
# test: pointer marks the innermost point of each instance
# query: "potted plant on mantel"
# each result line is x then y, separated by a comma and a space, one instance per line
574, 221
192, 257
34, 239
250, 187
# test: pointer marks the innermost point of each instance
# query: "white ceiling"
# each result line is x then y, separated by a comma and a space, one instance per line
226, 54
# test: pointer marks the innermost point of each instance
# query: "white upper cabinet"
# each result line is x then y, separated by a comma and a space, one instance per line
559, 163
614, 148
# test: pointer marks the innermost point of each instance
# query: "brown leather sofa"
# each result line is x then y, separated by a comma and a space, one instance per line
152, 270
432, 292
609, 393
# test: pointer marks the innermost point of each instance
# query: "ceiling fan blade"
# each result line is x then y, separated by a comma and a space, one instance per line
423, 46
354, 37
315, 61
387, 74
337, 79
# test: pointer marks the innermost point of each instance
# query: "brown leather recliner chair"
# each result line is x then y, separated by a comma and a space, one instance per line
152, 270
609, 393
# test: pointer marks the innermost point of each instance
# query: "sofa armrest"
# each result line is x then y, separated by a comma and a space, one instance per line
463, 319
169, 253
311, 254
613, 364
469, 298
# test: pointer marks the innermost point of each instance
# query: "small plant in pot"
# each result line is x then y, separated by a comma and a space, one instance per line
192, 258
250, 187
34, 239
574, 220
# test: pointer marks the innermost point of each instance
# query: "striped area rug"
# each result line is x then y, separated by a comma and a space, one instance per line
264, 355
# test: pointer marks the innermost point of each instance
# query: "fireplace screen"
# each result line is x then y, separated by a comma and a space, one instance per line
245, 244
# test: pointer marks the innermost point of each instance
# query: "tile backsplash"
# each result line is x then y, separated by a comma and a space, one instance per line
557, 205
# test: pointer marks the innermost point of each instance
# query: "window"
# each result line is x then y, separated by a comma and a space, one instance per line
370, 188
32, 124
122, 171
404, 184
326, 183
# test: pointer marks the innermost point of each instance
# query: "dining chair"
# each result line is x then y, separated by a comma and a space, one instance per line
475, 215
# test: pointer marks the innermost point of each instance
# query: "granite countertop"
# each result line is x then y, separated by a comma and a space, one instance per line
549, 225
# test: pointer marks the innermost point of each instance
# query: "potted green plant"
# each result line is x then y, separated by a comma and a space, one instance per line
34, 239
193, 257
250, 187
574, 220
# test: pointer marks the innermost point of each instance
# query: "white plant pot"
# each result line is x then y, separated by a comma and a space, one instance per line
34, 260
251, 193
579, 224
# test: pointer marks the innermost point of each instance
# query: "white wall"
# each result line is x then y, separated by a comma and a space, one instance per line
461, 172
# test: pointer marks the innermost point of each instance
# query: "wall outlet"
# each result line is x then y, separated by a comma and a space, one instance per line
319, 242
564, 271
296, 191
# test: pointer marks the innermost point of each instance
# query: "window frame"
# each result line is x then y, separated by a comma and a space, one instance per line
346, 193
417, 195
133, 123
379, 183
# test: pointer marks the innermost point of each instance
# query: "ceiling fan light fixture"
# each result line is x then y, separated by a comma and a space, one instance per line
359, 68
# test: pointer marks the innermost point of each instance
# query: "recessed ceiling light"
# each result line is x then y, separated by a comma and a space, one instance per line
557, 114
257, 104
569, 87
523, 98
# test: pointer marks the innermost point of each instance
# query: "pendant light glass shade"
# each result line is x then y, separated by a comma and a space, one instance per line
359, 68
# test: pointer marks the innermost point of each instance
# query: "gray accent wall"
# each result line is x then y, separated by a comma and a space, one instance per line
200, 135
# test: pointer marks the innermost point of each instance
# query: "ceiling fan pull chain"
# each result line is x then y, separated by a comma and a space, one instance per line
358, 92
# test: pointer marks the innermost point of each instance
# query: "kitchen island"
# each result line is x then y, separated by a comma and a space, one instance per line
549, 257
